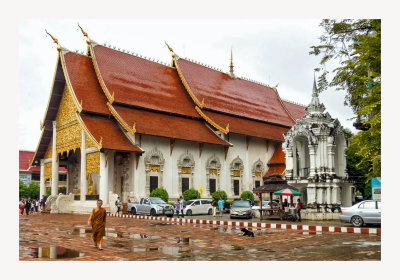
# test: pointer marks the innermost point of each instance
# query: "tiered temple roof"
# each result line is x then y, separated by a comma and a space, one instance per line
117, 93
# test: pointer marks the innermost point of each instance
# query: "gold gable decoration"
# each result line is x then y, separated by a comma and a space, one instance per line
47, 171
236, 173
186, 170
155, 168
258, 174
49, 151
92, 163
214, 171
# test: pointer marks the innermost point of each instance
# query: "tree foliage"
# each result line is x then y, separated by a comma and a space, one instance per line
161, 193
247, 195
356, 45
219, 194
31, 191
191, 194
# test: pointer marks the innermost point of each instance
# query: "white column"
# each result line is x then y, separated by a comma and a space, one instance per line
289, 162
103, 178
54, 163
42, 187
53, 252
311, 194
329, 195
311, 149
84, 186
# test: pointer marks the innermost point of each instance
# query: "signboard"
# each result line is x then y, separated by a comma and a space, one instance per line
26, 178
376, 188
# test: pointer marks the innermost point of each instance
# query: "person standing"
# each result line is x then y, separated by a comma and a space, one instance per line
22, 206
182, 205
28, 206
177, 207
118, 204
37, 206
298, 208
214, 205
221, 206
44, 202
98, 222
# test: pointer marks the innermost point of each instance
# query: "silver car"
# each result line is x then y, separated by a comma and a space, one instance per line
241, 209
198, 206
364, 212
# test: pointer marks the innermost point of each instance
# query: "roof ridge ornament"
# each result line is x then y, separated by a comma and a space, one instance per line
55, 40
85, 34
231, 73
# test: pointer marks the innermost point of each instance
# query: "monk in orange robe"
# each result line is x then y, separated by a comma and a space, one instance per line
98, 222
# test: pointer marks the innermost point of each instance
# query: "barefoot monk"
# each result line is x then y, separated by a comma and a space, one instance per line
98, 222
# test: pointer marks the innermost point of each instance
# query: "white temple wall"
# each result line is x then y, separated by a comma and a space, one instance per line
259, 149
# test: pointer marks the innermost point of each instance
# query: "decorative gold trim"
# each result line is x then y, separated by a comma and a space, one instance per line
155, 168
185, 84
210, 121
236, 173
115, 114
213, 171
186, 170
92, 163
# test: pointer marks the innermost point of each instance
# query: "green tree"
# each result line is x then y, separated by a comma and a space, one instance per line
161, 193
191, 194
219, 194
247, 195
356, 45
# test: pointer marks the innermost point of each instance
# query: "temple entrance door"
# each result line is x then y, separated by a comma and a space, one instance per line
257, 183
212, 185
185, 184
236, 187
153, 183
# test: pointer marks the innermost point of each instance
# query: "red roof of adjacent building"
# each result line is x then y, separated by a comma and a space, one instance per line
297, 111
169, 126
277, 163
85, 84
25, 157
248, 127
113, 137
234, 96
142, 83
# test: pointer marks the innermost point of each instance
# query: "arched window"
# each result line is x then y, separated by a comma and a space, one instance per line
154, 166
213, 168
257, 173
236, 169
185, 172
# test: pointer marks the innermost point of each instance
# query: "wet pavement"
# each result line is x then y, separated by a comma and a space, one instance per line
68, 237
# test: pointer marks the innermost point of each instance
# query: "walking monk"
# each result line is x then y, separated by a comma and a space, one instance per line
98, 222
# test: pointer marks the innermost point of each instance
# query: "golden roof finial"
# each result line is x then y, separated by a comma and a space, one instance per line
170, 49
231, 66
54, 40
85, 34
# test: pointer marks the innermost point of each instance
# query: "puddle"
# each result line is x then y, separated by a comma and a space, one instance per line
144, 236
54, 252
362, 243
161, 224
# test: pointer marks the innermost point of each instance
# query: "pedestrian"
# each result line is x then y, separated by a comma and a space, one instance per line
28, 206
214, 205
33, 207
98, 222
37, 206
182, 205
177, 207
298, 207
221, 206
44, 202
22, 206
118, 204
285, 203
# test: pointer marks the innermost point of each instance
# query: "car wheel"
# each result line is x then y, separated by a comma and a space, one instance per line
189, 213
210, 212
133, 211
357, 221
152, 212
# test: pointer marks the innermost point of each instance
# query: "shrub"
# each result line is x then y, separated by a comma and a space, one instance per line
247, 195
216, 195
191, 194
161, 193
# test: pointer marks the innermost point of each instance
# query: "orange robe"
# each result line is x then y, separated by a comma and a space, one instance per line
98, 221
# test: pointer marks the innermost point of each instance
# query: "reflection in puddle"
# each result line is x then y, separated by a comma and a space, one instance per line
362, 243
54, 252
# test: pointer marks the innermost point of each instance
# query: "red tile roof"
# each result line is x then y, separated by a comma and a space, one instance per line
25, 157
142, 83
297, 111
249, 127
234, 96
275, 169
85, 84
113, 137
278, 157
169, 126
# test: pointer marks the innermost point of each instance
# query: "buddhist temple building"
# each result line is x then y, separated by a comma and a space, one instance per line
123, 125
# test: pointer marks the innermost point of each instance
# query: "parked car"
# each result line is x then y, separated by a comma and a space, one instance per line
241, 208
151, 206
265, 204
198, 206
364, 212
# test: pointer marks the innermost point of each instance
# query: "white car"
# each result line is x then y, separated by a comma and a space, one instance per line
198, 206
364, 212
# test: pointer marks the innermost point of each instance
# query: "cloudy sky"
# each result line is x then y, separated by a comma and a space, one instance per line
268, 51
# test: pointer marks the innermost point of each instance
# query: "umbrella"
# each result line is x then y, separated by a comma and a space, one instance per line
288, 192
